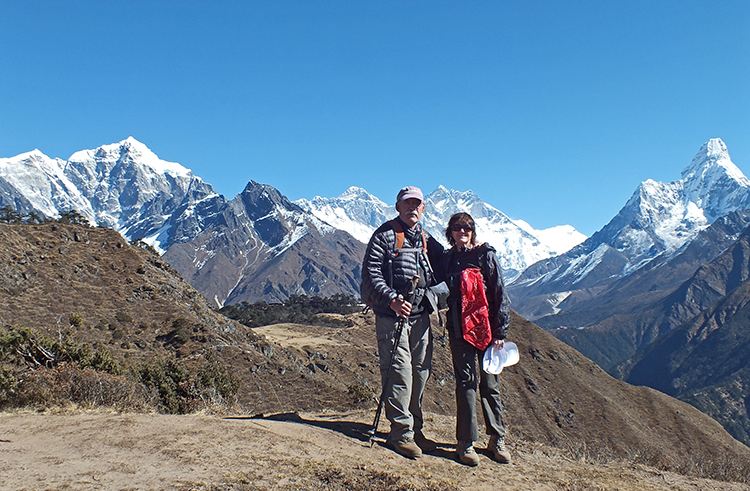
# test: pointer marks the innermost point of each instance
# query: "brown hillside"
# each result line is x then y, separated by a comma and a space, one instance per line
129, 298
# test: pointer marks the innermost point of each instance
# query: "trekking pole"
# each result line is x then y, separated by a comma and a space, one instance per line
387, 381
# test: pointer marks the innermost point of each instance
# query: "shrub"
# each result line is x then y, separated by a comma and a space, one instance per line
74, 217
8, 384
171, 383
75, 320
143, 245
104, 362
37, 350
219, 383
65, 372
68, 383
33, 217
180, 334
180, 392
361, 392
9, 215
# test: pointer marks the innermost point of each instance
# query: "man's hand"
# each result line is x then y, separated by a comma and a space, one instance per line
401, 307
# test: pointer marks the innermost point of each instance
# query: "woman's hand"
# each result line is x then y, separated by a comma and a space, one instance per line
498, 342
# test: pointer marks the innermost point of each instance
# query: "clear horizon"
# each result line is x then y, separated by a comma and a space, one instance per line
551, 112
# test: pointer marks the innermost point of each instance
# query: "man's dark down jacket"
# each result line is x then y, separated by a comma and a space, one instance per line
386, 274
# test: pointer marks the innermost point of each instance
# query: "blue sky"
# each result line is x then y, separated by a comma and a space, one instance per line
551, 111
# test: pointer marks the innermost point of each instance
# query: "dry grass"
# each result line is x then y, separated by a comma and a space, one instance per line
88, 283
67, 384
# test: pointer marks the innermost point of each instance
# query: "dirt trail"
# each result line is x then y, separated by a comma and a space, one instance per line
98, 451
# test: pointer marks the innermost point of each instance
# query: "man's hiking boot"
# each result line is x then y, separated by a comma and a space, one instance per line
466, 453
406, 447
424, 443
499, 452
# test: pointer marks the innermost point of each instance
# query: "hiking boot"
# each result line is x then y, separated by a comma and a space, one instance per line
466, 453
406, 447
499, 452
424, 443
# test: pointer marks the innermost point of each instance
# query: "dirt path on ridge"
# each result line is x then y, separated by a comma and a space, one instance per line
105, 451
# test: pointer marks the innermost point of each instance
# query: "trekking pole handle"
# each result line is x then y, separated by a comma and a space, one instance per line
412, 291
409, 298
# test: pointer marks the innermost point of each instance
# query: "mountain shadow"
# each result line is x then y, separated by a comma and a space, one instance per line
706, 361
264, 247
617, 322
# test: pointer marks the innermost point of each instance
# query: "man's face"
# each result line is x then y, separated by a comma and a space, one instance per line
410, 211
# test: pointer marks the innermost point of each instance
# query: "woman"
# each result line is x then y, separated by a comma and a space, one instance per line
478, 313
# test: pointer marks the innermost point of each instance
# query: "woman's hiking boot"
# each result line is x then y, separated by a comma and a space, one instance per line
499, 452
466, 453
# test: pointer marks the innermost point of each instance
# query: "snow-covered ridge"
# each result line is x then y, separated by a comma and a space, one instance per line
42, 181
559, 239
657, 221
124, 186
518, 244
136, 151
356, 211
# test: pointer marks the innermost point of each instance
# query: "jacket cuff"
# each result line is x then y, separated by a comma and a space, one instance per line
391, 297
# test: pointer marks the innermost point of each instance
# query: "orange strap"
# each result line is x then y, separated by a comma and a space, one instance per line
396, 225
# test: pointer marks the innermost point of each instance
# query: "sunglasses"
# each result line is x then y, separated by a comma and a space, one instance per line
456, 227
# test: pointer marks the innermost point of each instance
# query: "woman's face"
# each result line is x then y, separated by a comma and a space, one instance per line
461, 233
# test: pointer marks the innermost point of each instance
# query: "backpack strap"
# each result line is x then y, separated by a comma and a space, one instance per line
396, 226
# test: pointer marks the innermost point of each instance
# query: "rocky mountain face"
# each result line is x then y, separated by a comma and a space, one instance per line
636, 310
231, 251
705, 360
654, 225
670, 322
256, 246
518, 245
262, 246
123, 186
128, 299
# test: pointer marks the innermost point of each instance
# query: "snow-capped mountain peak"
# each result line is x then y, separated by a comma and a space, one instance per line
131, 150
662, 217
713, 158
357, 193
657, 222
355, 211
713, 183
358, 212
123, 185
560, 238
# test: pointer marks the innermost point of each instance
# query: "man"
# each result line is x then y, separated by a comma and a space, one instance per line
397, 255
